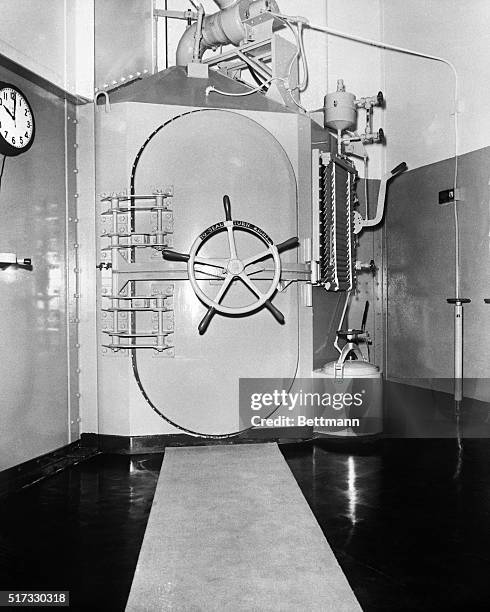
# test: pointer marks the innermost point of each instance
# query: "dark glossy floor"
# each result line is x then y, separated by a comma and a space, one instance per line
80, 530
409, 521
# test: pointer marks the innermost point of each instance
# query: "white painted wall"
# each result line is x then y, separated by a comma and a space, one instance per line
32, 33
359, 65
84, 47
421, 91
53, 39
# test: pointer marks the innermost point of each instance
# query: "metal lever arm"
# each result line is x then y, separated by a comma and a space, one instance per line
290, 243
206, 320
227, 206
276, 313
382, 195
174, 256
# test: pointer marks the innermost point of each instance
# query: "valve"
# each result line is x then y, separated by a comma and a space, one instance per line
369, 102
366, 267
233, 267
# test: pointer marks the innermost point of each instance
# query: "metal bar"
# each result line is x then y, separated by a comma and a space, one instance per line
255, 65
232, 54
458, 352
181, 275
184, 15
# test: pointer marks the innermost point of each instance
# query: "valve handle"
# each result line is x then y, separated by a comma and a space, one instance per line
233, 269
399, 169
174, 256
381, 136
290, 243
227, 205
276, 313
206, 320
380, 98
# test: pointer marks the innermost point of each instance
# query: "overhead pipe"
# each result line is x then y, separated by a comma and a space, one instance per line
225, 27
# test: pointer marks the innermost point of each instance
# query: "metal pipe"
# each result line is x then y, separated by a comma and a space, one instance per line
225, 27
185, 48
224, 4
198, 34
458, 352
458, 345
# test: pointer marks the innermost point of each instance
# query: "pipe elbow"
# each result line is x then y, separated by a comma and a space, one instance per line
185, 48
223, 4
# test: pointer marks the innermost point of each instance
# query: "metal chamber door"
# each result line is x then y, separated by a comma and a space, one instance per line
205, 155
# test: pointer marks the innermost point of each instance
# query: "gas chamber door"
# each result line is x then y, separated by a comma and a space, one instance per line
204, 156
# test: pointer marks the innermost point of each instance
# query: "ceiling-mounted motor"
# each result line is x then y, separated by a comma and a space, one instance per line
340, 113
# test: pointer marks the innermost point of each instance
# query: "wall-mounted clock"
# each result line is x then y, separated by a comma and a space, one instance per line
17, 127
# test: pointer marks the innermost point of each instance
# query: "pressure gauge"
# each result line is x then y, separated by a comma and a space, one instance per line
17, 126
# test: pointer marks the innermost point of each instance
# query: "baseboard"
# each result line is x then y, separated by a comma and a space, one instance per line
20, 476
133, 445
417, 411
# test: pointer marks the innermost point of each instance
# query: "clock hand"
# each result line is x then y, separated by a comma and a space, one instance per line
8, 111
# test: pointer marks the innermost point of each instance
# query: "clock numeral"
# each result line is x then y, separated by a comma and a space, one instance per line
28, 124
13, 140
6, 132
25, 112
5, 95
26, 135
21, 140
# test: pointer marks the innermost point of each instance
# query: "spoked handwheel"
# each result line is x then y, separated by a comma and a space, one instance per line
233, 268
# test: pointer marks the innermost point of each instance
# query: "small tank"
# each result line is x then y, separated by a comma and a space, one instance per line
340, 110
361, 386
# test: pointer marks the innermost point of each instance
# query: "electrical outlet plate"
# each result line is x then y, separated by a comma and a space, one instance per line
447, 196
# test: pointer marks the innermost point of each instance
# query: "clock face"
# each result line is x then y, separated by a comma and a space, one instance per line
16, 121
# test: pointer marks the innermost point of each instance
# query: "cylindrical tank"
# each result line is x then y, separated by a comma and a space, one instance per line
358, 408
340, 109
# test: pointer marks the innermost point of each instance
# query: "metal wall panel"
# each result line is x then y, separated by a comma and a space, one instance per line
123, 40
369, 287
35, 367
420, 267
32, 33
